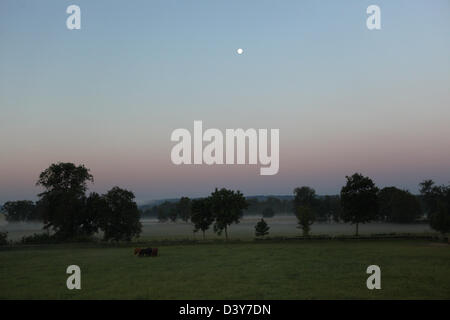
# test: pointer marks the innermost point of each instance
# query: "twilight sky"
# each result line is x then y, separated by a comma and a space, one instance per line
108, 96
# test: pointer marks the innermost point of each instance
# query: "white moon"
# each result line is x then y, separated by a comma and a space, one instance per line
240, 51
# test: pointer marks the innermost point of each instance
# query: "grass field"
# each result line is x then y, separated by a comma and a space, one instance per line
410, 269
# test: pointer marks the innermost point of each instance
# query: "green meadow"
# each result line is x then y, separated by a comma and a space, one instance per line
290, 269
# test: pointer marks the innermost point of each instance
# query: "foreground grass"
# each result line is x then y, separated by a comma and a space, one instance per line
411, 269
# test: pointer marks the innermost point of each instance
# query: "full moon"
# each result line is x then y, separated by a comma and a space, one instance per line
239, 51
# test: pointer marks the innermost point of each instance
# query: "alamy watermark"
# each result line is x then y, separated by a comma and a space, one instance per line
374, 280
373, 22
74, 280
253, 142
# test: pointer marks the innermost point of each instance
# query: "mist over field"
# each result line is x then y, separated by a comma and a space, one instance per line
280, 226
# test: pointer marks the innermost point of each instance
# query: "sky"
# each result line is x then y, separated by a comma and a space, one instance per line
345, 99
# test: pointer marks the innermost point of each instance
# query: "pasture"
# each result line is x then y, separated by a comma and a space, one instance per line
293, 269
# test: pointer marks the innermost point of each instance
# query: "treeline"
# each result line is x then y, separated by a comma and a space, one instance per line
394, 205
361, 201
178, 210
23, 210
326, 207
69, 212
269, 207
221, 209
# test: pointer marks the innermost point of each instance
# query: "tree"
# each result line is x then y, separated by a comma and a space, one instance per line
120, 217
305, 217
437, 202
202, 216
261, 228
63, 201
20, 211
96, 206
184, 208
305, 205
397, 205
173, 214
227, 206
65, 177
162, 214
3, 238
440, 220
328, 207
268, 212
430, 195
359, 200
304, 196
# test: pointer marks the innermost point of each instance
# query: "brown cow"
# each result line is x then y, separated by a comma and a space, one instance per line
147, 252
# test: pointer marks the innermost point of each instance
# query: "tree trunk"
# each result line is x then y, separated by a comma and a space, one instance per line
357, 229
226, 233
203, 234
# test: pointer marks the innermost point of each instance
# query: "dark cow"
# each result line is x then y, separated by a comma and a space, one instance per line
147, 252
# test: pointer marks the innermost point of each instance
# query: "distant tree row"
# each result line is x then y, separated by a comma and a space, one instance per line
221, 209
268, 207
174, 210
326, 207
69, 212
23, 210
361, 201
394, 205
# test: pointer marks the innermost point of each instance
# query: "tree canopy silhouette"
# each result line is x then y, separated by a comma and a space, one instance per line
202, 216
437, 201
227, 206
359, 200
396, 205
62, 204
261, 228
120, 218
69, 213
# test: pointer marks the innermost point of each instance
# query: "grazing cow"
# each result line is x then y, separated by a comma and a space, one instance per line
147, 252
